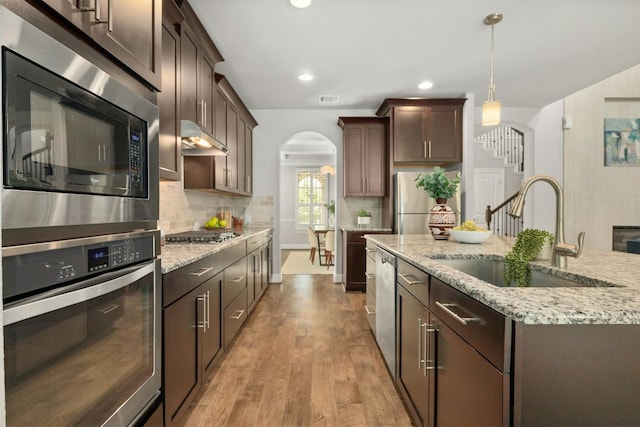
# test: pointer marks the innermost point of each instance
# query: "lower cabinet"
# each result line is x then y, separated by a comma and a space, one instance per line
370, 276
354, 259
234, 299
192, 340
452, 368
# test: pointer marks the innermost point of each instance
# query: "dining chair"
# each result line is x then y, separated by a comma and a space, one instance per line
329, 247
315, 244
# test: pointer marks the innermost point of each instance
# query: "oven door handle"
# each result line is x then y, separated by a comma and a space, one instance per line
74, 294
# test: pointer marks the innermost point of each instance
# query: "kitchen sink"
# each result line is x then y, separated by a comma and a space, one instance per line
491, 271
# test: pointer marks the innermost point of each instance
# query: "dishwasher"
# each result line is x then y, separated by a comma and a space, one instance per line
386, 307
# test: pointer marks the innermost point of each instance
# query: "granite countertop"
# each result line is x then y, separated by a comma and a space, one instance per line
593, 304
176, 255
366, 229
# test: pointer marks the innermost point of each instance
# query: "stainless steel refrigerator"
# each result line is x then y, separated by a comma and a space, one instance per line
411, 205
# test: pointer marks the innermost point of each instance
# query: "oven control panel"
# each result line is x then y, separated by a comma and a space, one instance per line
29, 273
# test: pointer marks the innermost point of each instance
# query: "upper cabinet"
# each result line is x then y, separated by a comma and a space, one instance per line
198, 58
130, 31
365, 159
169, 98
424, 131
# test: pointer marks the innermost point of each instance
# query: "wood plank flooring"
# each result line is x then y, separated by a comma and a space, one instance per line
306, 357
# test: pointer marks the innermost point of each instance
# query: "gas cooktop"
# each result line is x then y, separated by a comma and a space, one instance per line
200, 236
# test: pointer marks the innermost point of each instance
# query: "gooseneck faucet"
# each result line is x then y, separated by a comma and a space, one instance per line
560, 248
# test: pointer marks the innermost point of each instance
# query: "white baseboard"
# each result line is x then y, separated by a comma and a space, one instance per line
275, 278
337, 278
295, 246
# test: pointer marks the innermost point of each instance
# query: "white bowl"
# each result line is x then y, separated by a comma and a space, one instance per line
464, 236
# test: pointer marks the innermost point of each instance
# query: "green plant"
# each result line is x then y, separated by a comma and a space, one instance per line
437, 184
516, 263
331, 207
362, 213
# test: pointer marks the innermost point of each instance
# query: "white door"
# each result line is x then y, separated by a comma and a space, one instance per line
488, 189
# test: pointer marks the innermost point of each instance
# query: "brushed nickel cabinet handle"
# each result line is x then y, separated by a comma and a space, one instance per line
420, 360
429, 149
429, 363
424, 147
369, 250
369, 276
410, 279
238, 279
108, 309
238, 315
463, 320
369, 310
200, 272
203, 323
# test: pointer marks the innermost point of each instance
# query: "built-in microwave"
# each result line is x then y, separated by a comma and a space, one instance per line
79, 147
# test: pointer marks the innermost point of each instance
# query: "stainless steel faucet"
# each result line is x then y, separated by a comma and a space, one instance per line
561, 250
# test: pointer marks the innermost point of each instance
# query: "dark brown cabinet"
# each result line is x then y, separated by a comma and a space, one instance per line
354, 259
169, 98
131, 31
192, 331
365, 158
425, 131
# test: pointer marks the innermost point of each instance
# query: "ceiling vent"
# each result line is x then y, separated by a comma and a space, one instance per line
329, 99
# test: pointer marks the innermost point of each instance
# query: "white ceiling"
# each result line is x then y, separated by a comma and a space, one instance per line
368, 50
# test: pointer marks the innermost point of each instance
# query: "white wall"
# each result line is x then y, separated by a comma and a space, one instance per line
599, 197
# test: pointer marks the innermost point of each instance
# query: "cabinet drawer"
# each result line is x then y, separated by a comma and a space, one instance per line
235, 280
234, 253
178, 282
370, 308
234, 316
254, 242
413, 280
355, 236
479, 325
370, 274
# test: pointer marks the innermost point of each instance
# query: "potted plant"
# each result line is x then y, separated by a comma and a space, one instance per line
364, 217
439, 187
529, 245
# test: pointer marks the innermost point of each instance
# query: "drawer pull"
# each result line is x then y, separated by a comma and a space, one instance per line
370, 276
369, 310
238, 315
201, 271
463, 320
238, 279
410, 279
370, 250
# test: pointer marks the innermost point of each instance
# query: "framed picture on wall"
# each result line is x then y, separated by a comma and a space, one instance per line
622, 142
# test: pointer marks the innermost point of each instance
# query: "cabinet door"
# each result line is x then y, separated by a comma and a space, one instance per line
232, 143
354, 148
444, 134
248, 160
169, 104
212, 335
131, 30
413, 375
207, 94
240, 147
264, 268
375, 160
220, 109
464, 380
181, 371
409, 143
356, 258
253, 284
189, 75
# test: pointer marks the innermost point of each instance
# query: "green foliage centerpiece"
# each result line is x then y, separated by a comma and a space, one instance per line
528, 245
440, 187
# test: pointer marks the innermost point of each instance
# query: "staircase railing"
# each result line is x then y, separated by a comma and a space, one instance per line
504, 225
506, 142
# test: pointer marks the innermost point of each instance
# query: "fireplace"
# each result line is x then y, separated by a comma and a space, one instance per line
626, 238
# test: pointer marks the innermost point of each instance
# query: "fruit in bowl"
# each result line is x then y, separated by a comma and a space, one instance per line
469, 232
213, 222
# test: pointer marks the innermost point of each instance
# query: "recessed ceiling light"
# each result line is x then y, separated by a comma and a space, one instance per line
305, 77
300, 4
425, 85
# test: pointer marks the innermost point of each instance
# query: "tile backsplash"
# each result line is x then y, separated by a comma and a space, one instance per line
180, 209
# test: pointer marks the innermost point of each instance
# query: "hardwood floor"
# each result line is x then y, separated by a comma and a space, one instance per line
305, 357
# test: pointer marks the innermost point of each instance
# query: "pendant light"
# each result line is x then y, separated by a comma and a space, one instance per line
491, 107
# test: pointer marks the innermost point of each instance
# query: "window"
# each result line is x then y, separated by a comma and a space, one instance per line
311, 194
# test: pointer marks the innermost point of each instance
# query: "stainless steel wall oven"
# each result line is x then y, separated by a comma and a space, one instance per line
79, 148
82, 330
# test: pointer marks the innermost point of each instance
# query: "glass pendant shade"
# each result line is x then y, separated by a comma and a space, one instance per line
491, 113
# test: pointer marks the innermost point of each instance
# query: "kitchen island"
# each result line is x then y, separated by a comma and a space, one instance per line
552, 356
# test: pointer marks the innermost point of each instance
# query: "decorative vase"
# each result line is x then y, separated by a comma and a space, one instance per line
441, 220
332, 220
546, 251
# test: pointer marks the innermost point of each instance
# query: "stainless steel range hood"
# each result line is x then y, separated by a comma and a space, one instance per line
197, 142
